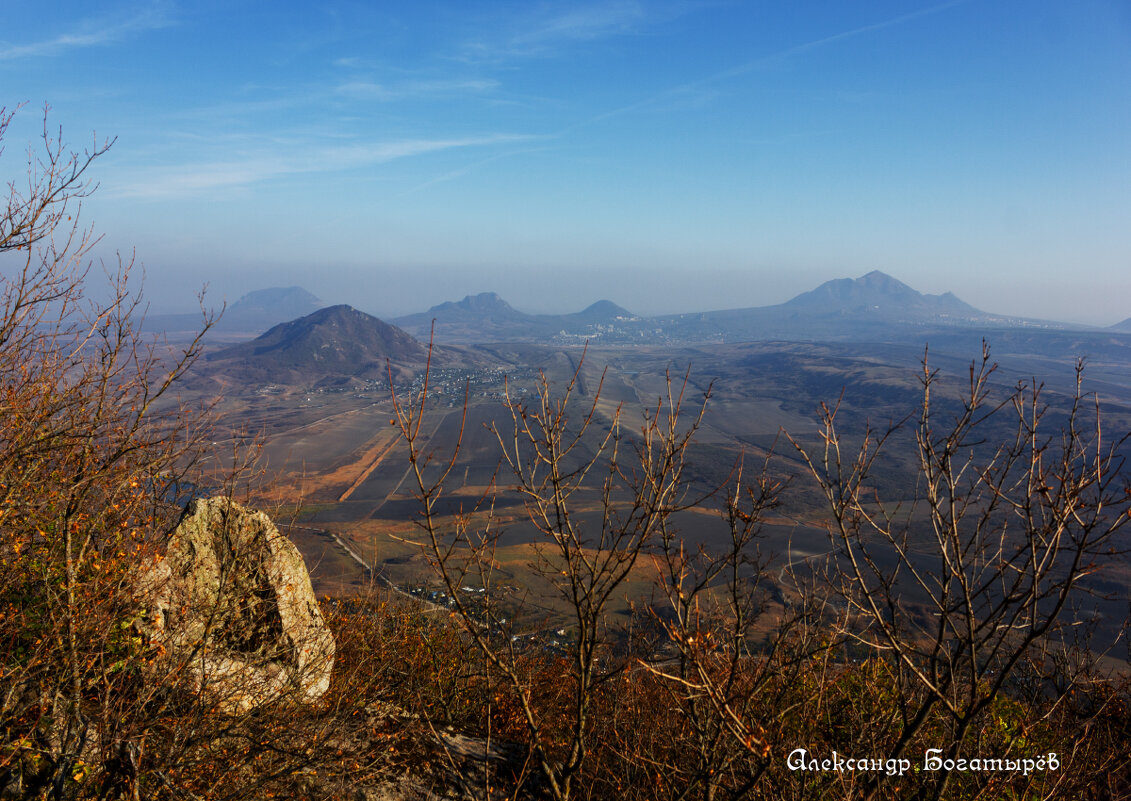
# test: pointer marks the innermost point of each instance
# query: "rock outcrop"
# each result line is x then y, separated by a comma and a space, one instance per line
231, 607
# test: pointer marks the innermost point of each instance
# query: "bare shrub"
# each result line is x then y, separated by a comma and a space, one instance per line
966, 594
945, 622
94, 452
552, 456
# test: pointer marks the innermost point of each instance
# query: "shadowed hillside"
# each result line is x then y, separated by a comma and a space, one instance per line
335, 341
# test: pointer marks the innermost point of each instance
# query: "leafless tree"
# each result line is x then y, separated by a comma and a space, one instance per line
85, 462
743, 649
969, 587
554, 458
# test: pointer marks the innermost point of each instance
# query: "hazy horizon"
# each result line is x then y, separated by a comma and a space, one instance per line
360, 304
669, 156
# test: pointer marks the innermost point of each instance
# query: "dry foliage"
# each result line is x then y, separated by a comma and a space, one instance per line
704, 694
698, 701
93, 453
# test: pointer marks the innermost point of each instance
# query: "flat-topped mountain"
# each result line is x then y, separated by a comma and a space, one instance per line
334, 341
272, 306
252, 314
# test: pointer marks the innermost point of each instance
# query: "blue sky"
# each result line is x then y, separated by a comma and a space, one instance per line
670, 156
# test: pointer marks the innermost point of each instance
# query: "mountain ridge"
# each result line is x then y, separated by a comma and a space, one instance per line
873, 305
487, 317
482, 303
860, 293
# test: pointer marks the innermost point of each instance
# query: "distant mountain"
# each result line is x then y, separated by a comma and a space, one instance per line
252, 314
486, 317
876, 292
1124, 326
874, 306
273, 306
484, 305
603, 311
477, 318
337, 341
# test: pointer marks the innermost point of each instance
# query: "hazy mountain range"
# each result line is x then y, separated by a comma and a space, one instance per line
487, 317
340, 342
874, 305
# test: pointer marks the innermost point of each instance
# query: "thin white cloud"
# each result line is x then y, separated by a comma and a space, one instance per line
838, 37
703, 85
546, 30
369, 90
467, 168
456, 85
246, 107
92, 33
583, 22
188, 179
